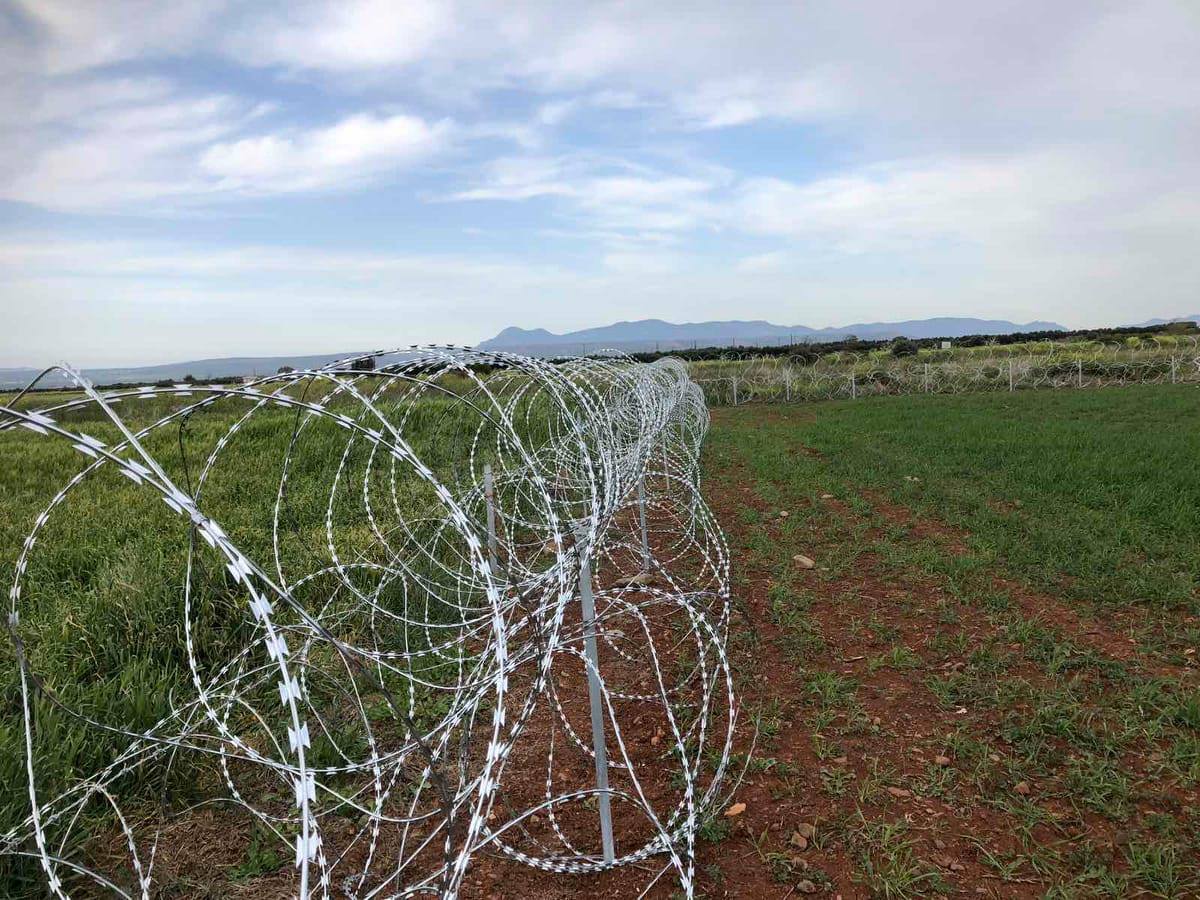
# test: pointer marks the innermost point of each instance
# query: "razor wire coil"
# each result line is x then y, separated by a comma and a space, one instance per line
403, 695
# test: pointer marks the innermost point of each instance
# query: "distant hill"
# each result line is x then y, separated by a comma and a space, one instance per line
200, 369
1150, 323
647, 334
650, 334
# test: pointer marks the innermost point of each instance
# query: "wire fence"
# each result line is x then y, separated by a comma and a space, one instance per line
846, 376
432, 610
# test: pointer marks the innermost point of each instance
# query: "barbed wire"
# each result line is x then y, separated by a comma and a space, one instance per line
412, 680
849, 376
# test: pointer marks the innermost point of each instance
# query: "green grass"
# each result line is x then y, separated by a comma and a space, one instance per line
943, 527
1095, 494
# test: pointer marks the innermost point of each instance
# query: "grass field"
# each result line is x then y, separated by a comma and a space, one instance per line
985, 685
1095, 494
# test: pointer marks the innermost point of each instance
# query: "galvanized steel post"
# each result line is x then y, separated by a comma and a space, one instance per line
587, 603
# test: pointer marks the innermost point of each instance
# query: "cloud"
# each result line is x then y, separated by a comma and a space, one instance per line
742, 100
643, 262
135, 142
773, 261
604, 192
346, 36
342, 154
1027, 201
138, 143
937, 154
74, 35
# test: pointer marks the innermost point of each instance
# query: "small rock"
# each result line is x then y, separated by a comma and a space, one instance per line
827, 496
939, 843
877, 721
807, 829
783, 514
803, 561
957, 867
638, 580
994, 757
1022, 788
799, 841
806, 887
736, 810
841, 760
941, 760
899, 792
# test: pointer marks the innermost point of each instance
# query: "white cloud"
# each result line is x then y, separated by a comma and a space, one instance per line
773, 261
134, 144
344, 36
74, 35
605, 192
980, 151
986, 201
744, 99
643, 262
345, 153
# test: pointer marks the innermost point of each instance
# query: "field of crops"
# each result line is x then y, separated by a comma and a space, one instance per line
964, 640
987, 680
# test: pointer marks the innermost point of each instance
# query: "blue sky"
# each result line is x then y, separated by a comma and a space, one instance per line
222, 178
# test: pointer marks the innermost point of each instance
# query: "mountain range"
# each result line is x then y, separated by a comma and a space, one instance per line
651, 334
1150, 323
647, 334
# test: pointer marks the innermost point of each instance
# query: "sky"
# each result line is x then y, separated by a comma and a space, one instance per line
217, 178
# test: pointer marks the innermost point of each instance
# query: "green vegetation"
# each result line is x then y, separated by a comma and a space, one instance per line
1095, 494
1016, 574
1002, 621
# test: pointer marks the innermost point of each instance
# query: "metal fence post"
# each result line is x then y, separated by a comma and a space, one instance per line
787, 385
1010, 374
642, 518
927, 378
1079, 370
1174, 370
853, 386
489, 493
735, 397
587, 604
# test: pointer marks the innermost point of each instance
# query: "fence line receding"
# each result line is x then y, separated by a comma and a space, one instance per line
373, 583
